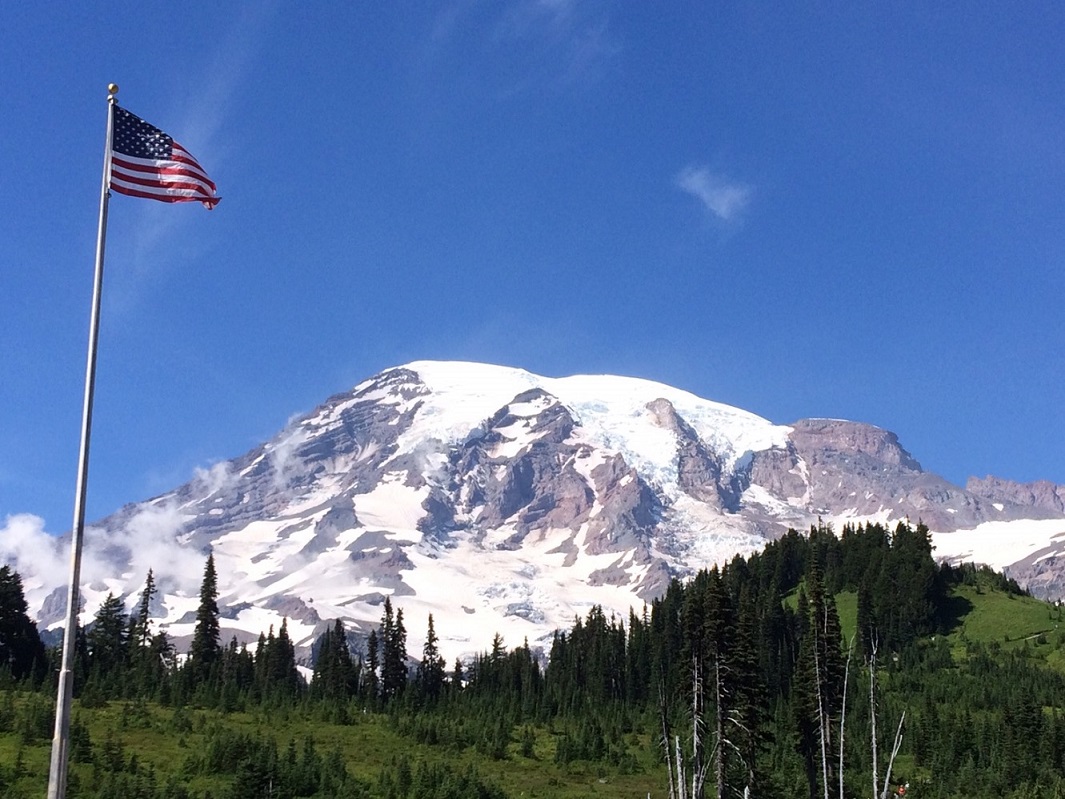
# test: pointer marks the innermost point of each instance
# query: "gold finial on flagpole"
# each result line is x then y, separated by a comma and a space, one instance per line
112, 89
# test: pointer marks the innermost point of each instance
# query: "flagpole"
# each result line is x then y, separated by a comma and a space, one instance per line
57, 775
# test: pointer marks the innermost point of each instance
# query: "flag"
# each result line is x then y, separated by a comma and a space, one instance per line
145, 162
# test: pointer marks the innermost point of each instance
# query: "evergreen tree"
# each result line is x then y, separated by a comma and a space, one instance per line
237, 673
140, 630
394, 654
205, 650
108, 643
804, 699
818, 688
373, 664
718, 633
750, 705
21, 651
458, 677
334, 672
431, 669
143, 658
283, 681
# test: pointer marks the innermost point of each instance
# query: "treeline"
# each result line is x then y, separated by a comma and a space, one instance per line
740, 677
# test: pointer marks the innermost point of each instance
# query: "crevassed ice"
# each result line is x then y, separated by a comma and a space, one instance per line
611, 410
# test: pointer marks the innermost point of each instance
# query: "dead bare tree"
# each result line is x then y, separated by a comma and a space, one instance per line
719, 727
695, 771
894, 751
872, 706
881, 792
699, 764
843, 713
673, 766
821, 720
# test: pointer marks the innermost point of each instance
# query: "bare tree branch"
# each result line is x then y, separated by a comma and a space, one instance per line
894, 751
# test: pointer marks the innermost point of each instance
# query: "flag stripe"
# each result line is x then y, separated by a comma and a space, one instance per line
135, 172
145, 162
169, 196
151, 164
160, 186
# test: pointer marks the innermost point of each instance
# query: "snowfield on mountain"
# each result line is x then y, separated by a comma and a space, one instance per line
504, 502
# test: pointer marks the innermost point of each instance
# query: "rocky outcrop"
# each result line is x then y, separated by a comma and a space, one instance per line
1041, 495
831, 467
532, 484
700, 473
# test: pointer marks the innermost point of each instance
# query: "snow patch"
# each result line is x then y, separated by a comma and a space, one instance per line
999, 544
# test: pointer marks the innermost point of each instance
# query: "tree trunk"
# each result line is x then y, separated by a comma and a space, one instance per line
872, 711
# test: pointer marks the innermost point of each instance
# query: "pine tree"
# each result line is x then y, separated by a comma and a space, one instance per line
140, 630
334, 672
108, 640
458, 677
394, 656
431, 669
205, 650
237, 671
143, 661
21, 650
750, 704
284, 679
719, 625
805, 699
373, 664
818, 681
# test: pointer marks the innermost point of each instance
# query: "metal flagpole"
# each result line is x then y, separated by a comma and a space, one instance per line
57, 775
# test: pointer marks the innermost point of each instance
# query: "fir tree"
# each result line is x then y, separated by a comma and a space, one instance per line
334, 672
205, 651
140, 630
107, 640
394, 655
458, 677
431, 669
21, 651
373, 664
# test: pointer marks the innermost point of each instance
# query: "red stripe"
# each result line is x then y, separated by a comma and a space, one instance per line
199, 174
146, 179
209, 201
163, 187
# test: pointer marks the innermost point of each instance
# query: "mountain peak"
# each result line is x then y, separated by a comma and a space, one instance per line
504, 502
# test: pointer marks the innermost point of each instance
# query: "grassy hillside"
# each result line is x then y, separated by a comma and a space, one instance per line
1014, 622
177, 745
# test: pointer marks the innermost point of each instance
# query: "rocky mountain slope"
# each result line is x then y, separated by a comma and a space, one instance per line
501, 501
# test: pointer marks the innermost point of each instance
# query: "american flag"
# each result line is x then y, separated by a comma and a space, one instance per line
145, 162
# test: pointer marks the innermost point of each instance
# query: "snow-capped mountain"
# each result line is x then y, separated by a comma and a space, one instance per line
501, 501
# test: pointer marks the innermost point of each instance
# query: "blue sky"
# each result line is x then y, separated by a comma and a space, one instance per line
853, 210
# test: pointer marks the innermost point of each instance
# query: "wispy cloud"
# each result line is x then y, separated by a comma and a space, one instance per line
564, 44
725, 199
147, 540
576, 37
39, 558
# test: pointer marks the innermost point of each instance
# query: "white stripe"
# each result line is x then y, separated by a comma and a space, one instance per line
161, 191
131, 176
154, 164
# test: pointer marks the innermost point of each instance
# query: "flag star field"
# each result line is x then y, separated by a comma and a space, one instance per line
844, 210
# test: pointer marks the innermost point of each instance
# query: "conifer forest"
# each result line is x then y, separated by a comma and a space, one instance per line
827, 666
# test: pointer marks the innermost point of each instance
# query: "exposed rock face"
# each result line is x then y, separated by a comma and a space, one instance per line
1042, 495
533, 484
516, 502
831, 466
700, 472
1043, 577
